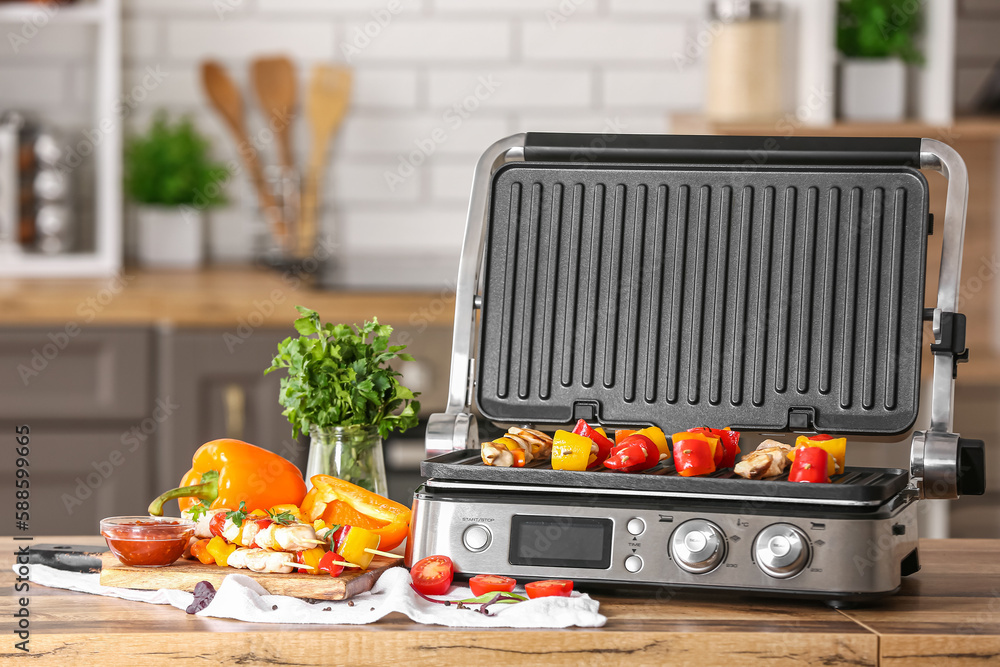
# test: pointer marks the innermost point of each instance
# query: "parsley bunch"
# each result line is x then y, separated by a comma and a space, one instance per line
340, 375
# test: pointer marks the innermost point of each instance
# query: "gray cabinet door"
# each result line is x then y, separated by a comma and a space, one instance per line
79, 476
75, 373
216, 378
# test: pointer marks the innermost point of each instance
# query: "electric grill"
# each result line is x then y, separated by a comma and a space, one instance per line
774, 285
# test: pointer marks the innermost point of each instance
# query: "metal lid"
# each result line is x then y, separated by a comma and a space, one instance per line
759, 296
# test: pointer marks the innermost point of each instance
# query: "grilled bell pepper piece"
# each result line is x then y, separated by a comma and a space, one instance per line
226, 472
310, 557
598, 438
572, 451
200, 551
718, 450
836, 447
812, 464
621, 434
220, 550
338, 502
351, 543
635, 453
659, 439
694, 454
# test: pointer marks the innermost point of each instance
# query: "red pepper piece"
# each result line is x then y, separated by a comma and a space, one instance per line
719, 453
693, 457
810, 465
604, 445
633, 454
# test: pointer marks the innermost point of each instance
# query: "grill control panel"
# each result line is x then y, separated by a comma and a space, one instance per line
643, 546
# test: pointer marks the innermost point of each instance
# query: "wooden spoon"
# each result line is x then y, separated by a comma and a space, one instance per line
275, 85
228, 101
326, 106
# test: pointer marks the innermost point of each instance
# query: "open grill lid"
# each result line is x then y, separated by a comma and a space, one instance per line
703, 280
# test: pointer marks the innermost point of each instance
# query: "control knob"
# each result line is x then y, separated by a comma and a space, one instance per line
698, 546
781, 550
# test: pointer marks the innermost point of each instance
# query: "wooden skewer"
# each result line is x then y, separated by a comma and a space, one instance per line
381, 553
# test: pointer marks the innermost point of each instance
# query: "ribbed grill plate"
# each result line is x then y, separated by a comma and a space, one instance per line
724, 296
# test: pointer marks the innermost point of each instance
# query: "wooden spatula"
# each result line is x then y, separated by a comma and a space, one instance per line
275, 85
228, 101
326, 106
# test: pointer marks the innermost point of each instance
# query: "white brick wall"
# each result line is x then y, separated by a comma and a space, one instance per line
419, 73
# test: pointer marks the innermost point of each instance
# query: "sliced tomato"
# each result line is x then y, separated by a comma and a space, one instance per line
549, 588
326, 564
433, 575
490, 583
216, 524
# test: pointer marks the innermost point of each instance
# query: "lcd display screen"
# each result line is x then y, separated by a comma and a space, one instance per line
559, 541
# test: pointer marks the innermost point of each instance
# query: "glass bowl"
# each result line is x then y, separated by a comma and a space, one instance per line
147, 541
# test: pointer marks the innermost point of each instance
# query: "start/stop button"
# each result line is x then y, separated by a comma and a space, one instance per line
477, 537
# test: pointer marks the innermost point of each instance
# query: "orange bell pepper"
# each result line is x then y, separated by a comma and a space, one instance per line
225, 472
338, 502
200, 551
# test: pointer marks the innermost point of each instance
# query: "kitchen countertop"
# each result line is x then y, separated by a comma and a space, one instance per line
208, 298
949, 613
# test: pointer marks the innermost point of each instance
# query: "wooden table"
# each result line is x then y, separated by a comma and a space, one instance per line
948, 614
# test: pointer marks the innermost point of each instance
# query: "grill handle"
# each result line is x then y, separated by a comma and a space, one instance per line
753, 152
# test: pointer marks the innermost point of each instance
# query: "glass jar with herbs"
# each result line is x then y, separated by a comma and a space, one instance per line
342, 390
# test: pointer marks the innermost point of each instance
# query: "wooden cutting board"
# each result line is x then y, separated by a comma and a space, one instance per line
184, 574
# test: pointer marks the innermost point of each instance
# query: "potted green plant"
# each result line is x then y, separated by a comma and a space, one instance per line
342, 390
877, 39
170, 176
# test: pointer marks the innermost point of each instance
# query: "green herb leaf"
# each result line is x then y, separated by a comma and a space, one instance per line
239, 514
198, 510
284, 517
338, 375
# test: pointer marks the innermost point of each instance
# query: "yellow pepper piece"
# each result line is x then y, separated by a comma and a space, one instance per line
659, 439
352, 548
258, 513
311, 558
601, 431
836, 447
571, 451
220, 550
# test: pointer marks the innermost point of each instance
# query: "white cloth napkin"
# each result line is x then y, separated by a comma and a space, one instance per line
243, 599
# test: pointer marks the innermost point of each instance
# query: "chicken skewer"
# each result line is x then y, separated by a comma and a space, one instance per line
517, 448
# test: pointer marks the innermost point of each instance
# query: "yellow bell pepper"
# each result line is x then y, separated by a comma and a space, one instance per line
220, 550
571, 451
601, 431
835, 447
659, 439
311, 557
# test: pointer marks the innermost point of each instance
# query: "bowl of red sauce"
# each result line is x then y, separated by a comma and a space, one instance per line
147, 541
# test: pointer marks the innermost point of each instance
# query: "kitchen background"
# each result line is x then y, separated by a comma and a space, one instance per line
151, 362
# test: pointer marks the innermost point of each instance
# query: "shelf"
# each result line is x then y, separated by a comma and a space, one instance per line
19, 12
963, 129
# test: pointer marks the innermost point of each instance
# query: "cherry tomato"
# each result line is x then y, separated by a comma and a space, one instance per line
433, 575
216, 524
549, 588
821, 437
490, 583
326, 564
263, 523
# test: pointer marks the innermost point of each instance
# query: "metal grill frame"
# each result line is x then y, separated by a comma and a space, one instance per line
934, 453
